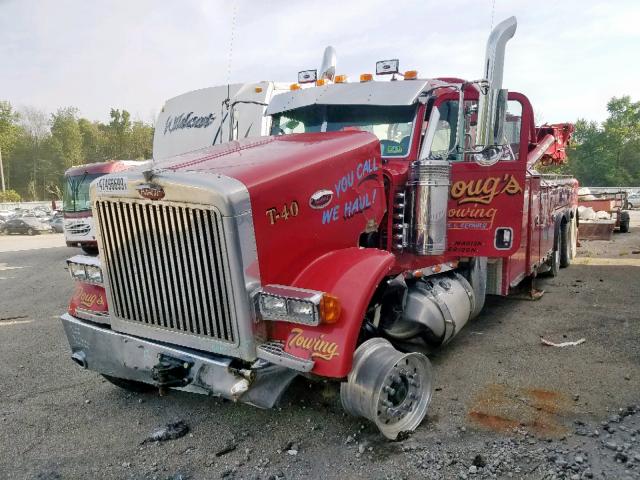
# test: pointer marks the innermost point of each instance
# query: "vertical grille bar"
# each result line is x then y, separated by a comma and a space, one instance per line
167, 266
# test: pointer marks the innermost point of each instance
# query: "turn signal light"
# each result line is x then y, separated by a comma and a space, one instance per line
340, 79
330, 308
320, 82
294, 86
366, 77
410, 74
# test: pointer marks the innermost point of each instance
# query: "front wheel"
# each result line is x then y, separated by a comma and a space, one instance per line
31, 231
390, 388
129, 385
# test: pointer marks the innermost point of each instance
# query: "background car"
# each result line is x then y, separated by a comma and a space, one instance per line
633, 200
28, 225
57, 224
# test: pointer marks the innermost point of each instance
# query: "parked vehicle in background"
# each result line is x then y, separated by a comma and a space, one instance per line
633, 200
79, 228
57, 224
25, 225
365, 232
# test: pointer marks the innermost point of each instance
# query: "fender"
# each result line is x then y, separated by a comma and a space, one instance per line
352, 275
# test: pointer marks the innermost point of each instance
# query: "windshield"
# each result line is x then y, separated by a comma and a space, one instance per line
393, 125
76, 192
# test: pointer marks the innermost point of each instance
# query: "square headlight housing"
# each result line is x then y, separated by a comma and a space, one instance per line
289, 304
85, 269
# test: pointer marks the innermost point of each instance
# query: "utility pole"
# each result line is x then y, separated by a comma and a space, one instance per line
1, 171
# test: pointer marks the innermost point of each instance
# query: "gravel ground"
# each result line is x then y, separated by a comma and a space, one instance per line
505, 406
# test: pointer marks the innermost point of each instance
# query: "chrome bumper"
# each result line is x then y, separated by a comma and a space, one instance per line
124, 356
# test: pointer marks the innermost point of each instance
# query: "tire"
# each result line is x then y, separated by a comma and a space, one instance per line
565, 244
573, 244
554, 261
90, 249
31, 231
624, 222
130, 385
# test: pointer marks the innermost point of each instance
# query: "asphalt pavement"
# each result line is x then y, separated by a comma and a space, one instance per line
505, 405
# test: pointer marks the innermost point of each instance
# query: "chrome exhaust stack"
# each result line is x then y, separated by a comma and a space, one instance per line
491, 108
328, 67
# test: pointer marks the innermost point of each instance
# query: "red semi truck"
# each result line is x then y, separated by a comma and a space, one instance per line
361, 235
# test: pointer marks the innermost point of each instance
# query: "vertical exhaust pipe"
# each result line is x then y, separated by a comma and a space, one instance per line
491, 108
328, 67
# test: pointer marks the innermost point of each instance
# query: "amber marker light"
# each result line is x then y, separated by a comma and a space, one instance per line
258, 89
330, 308
321, 82
340, 79
410, 74
366, 77
294, 86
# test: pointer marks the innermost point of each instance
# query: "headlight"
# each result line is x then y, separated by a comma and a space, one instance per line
297, 305
85, 269
94, 273
77, 271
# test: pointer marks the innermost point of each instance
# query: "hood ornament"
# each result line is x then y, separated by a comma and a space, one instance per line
320, 199
150, 190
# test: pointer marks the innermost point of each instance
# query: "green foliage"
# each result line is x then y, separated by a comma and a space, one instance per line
9, 196
608, 154
8, 127
37, 149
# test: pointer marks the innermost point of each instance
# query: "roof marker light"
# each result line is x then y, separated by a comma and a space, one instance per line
294, 86
410, 74
366, 77
321, 81
258, 89
340, 79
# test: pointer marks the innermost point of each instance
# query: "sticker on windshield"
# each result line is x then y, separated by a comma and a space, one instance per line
111, 185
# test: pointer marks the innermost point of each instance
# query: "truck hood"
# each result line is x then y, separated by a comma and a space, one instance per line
259, 162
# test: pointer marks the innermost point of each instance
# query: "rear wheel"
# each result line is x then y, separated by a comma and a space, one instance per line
624, 222
130, 385
565, 244
553, 262
31, 231
573, 246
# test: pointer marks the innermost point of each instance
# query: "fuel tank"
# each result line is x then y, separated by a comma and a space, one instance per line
310, 193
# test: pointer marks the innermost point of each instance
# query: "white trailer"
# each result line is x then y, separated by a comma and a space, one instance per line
213, 115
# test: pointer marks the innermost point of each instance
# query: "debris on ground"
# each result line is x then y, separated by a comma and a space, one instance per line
226, 449
563, 344
171, 431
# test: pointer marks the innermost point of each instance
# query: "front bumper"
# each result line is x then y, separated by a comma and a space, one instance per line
124, 356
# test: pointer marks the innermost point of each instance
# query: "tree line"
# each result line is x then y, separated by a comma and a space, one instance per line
37, 148
607, 154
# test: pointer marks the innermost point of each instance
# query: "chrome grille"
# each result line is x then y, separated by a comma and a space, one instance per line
167, 266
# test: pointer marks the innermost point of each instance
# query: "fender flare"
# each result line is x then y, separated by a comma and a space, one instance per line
352, 275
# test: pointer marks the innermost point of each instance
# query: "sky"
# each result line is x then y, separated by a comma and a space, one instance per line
569, 57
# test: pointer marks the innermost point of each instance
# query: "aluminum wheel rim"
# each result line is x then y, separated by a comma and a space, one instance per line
404, 396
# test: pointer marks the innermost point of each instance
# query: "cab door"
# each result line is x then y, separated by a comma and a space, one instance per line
487, 203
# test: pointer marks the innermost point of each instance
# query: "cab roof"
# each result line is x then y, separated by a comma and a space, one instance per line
402, 92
